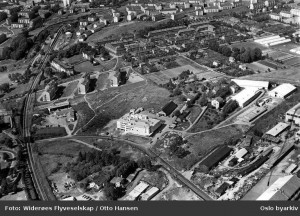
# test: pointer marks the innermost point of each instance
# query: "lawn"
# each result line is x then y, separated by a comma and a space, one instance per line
115, 102
195, 112
87, 66
188, 62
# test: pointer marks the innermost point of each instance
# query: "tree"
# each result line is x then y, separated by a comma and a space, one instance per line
176, 113
3, 16
144, 162
4, 87
2, 38
14, 17
203, 100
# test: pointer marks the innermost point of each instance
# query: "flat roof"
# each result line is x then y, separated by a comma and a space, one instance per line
282, 189
282, 90
251, 83
277, 129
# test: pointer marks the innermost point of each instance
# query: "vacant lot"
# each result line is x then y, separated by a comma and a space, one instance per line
195, 112
115, 102
291, 75
84, 113
210, 118
117, 30
198, 145
181, 194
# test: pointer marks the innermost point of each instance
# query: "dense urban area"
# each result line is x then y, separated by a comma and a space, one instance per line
149, 100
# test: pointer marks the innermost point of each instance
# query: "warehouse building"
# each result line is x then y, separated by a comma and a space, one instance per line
214, 158
283, 90
149, 194
137, 191
246, 96
251, 83
293, 115
168, 109
278, 129
252, 113
285, 188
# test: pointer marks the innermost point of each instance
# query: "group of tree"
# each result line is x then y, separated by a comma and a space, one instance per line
229, 107
3, 68
88, 163
20, 78
3, 16
113, 193
175, 147
2, 38
247, 55
18, 48
4, 87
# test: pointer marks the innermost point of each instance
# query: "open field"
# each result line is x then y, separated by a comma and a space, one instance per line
250, 44
180, 193
286, 48
117, 30
203, 143
291, 75
198, 145
295, 61
258, 67
187, 62
84, 113
210, 118
115, 102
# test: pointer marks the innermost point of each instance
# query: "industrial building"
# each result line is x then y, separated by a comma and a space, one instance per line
293, 115
137, 123
168, 109
272, 40
279, 154
284, 188
291, 168
251, 83
241, 153
278, 129
283, 90
137, 191
149, 194
214, 158
252, 113
246, 96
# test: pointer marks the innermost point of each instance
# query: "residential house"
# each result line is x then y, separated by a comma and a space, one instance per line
217, 102
62, 67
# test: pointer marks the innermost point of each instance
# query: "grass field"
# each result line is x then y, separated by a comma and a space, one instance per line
102, 81
115, 102
117, 30
256, 66
85, 114
295, 61
291, 75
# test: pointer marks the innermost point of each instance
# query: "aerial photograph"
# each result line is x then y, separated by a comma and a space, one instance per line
149, 100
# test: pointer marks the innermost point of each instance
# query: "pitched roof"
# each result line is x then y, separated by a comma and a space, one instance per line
169, 108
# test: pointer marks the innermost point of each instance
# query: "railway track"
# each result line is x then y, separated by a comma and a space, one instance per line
32, 179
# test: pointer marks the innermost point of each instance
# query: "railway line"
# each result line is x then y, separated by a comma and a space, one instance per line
31, 177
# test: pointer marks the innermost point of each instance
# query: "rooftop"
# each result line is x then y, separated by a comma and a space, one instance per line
282, 189
283, 90
279, 128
